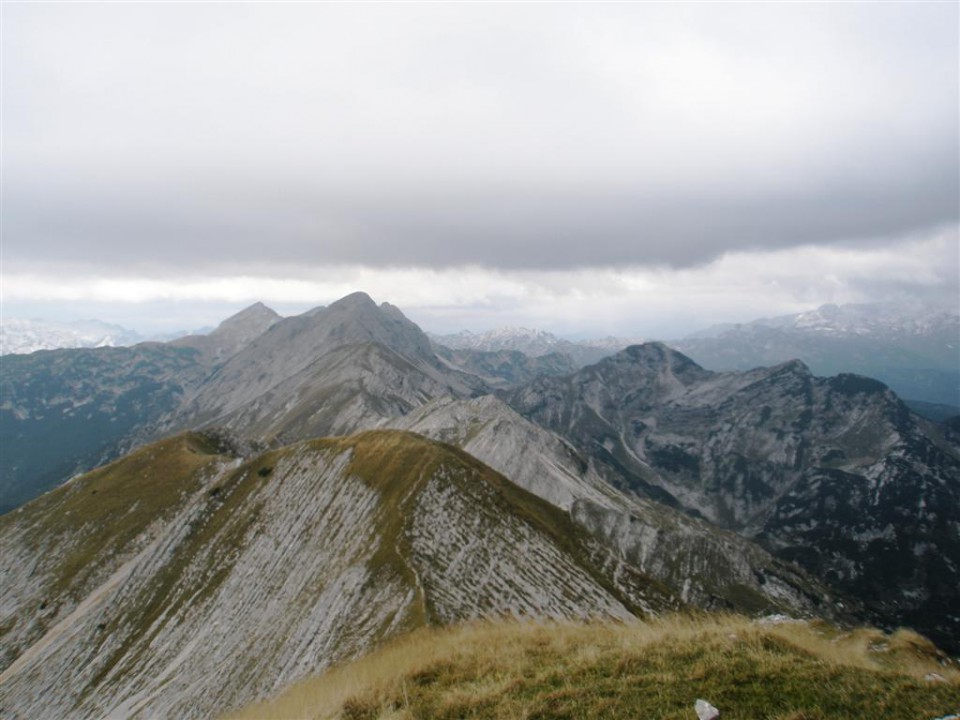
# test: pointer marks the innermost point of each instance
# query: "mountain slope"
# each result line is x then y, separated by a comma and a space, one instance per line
505, 368
533, 343
349, 388
246, 575
332, 370
832, 472
295, 344
699, 562
66, 411
230, 336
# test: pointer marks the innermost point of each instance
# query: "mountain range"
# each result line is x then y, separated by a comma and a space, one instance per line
287, 493
915, 350
21, 336
534, 343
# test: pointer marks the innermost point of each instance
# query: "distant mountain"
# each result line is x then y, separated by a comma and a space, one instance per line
348, 366
505, 368
690, 557
534, 343
834, 473
915, 350
182, 581
230, 336
66, 411
22, 336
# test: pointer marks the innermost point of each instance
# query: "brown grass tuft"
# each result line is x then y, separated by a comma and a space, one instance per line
652, 669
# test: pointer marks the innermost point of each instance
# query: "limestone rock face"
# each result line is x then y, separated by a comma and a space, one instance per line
834, 473
703, 565
292, 357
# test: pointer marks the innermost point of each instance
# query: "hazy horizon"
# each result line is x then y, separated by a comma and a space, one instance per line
425, 320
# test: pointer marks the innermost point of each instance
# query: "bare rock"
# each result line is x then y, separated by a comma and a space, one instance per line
706, 711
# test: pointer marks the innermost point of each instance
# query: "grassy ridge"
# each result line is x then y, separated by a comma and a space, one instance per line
100, 514
398, 464
650, 670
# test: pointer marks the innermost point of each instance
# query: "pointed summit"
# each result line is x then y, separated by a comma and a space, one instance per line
247, 324
301, 354
233, 334
355, 300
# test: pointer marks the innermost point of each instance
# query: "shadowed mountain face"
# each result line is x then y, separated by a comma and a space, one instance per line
182, 580
833, 472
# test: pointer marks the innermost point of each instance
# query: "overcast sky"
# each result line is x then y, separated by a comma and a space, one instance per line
640, 169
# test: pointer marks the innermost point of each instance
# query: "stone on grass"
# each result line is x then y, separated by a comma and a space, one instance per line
706, 711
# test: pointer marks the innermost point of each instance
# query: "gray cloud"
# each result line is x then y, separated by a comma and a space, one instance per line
510, 136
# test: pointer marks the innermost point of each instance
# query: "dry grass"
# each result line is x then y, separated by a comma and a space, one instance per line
653, 669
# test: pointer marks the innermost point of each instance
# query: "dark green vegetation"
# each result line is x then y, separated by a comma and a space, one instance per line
653, 671
66, 411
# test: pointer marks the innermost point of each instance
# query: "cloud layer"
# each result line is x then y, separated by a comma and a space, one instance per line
226, 140
635, 301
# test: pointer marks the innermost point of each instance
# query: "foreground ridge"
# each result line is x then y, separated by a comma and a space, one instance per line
183, 579
749, 670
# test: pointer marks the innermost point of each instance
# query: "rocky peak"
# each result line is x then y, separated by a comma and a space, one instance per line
287, 356
793, 366
249, 322
649, 365
232, 334
656, 353
354, 301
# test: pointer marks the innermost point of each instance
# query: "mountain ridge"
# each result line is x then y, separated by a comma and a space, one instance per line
349, 540
807, 469
817, 469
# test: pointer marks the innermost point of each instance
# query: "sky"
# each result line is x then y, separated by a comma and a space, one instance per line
642, 169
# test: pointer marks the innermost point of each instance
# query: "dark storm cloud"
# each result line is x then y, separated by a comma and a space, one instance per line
527, 136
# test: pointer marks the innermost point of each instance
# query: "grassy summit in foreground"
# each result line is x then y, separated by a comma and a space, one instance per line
650, 670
